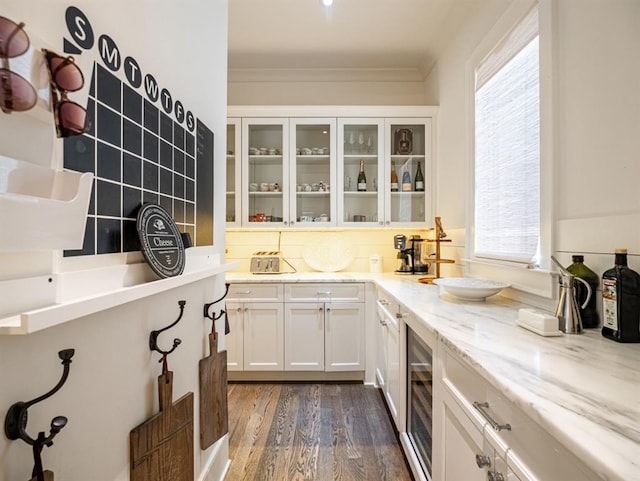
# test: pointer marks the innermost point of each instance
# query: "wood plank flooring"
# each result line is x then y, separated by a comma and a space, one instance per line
318, 432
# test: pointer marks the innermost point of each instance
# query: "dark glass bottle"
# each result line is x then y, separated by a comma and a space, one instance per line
589, 315
621, 301
419, 180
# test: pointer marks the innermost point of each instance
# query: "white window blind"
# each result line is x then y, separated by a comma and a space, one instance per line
507, 147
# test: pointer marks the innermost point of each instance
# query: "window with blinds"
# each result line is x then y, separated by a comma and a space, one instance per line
507, 147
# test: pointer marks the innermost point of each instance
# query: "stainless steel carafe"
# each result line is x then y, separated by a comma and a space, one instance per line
568, 314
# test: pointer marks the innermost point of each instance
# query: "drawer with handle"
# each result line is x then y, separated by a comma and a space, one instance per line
255, 292
324, 292
531, 453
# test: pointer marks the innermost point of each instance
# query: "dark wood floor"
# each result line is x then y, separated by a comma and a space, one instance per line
320, 432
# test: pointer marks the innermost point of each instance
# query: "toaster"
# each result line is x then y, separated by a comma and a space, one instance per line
265, 262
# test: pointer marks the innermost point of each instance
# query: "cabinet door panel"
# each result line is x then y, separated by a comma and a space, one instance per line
344, 337
312, 171
234, 340
304, 337
360, 140
392, 389
263, 337
460, 445
265, 150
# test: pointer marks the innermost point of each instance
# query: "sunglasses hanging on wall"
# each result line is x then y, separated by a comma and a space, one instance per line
16, 93
70, 117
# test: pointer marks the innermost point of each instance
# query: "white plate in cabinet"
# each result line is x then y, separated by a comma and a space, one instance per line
331, 292
256, 292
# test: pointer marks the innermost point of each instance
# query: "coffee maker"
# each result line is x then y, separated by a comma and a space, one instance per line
411, 254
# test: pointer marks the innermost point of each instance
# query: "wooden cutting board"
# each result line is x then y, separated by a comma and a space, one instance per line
213, 395
48, 476
161, 448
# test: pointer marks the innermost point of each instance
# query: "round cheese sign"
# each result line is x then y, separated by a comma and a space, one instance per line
160, 241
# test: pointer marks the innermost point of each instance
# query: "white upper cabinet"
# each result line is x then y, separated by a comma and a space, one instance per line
265, 172
234, 172
408, 152
301, 167
360, 146
312, 172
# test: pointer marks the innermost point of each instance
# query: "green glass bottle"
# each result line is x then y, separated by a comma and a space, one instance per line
589, 315
621, 301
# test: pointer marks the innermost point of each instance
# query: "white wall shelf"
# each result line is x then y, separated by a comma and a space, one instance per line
83, 293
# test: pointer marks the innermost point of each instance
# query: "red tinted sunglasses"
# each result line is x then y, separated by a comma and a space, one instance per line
66, 76
16, 93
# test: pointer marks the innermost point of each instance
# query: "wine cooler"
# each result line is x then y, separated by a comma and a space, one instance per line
420, 400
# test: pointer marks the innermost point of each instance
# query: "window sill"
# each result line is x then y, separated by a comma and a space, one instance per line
535, 286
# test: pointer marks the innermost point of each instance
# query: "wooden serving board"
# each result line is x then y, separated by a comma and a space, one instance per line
48, 476
214, 421
161, 448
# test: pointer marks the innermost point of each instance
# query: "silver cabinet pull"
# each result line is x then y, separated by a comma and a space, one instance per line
239, 309
481, 408
320, 309
399, 315
244, 292
323, 293
383, 302
483, 461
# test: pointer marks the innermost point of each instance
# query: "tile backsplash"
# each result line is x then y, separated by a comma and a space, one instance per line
242, 243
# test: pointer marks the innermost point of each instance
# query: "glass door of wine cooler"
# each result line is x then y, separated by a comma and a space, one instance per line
234, 178
408, 153
265, 148
360, 172
312, 172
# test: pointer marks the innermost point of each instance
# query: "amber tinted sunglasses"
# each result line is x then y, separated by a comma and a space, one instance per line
66, 76
16, 93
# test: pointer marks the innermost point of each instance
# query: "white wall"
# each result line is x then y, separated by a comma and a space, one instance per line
111, 387
597, 119
322, 87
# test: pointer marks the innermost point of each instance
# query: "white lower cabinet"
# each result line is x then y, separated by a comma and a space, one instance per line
344, 337
256, 336
304, 336
389, 370
481, 435
313, 327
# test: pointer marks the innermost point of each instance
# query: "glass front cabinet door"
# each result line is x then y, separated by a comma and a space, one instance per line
408, 168
265, 148
360, 172
234, 177
312, 172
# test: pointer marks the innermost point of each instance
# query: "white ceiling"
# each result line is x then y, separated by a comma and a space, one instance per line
360, 34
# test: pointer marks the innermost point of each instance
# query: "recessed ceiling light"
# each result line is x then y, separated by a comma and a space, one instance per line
327, 3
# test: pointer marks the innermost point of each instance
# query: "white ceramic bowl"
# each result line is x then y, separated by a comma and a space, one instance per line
469, 288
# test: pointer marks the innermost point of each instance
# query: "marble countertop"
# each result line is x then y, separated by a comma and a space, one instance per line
583, 389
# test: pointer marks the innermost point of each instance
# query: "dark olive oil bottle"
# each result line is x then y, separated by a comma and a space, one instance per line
589, 315
621, 301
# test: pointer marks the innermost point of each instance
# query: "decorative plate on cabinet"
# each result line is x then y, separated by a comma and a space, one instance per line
328, 253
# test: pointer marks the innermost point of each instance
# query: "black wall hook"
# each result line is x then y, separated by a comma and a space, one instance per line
15, 422
153, 339
215, 317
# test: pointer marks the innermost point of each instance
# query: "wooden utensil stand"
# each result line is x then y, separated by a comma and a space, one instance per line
439, 238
